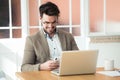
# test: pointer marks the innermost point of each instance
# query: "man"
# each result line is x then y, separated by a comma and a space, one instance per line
47, 44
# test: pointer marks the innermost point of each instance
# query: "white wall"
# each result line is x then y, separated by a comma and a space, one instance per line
107, 51
9, 57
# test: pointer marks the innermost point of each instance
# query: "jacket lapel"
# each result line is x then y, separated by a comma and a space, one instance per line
62, 40
44, 43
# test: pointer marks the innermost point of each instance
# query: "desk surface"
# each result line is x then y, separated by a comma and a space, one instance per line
46, 75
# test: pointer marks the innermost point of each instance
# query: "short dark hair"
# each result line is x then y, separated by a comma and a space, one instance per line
49, 8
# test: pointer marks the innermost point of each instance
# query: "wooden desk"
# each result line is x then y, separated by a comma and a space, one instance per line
46, 75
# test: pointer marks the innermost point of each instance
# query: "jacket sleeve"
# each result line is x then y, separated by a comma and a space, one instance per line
29, 57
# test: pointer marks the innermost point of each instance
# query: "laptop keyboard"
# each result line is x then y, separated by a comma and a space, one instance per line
56, 70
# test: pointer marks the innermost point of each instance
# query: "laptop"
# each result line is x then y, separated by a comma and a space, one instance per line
77, 62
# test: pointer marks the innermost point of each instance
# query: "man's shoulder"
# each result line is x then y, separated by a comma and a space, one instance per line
34, 36
65, 33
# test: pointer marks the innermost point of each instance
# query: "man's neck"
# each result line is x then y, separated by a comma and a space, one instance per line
50, 34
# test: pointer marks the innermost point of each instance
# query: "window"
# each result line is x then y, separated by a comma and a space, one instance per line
104, 17
69, 19
96, 15
17, 20
10, 19
112, 16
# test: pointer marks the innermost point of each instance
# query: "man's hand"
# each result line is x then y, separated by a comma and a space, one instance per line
49, 65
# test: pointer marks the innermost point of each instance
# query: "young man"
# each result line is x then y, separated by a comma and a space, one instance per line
47, 44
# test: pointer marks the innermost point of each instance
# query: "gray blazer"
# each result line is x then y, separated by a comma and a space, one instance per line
37, 51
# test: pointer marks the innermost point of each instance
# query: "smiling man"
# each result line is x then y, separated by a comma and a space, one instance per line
46, 45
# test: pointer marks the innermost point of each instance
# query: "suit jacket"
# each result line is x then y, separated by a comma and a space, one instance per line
37, 50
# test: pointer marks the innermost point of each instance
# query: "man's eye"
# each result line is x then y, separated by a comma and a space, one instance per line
46, 22
54, 22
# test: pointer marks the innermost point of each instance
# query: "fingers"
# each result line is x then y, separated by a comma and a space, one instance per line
53, 65
49, 65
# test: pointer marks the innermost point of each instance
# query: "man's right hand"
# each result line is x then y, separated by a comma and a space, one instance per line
49, 65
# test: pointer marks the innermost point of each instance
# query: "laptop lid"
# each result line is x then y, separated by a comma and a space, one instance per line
78, 62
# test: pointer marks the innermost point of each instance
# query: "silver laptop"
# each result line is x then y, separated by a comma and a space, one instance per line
77, 62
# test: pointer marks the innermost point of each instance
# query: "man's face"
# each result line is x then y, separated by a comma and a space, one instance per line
49, 23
